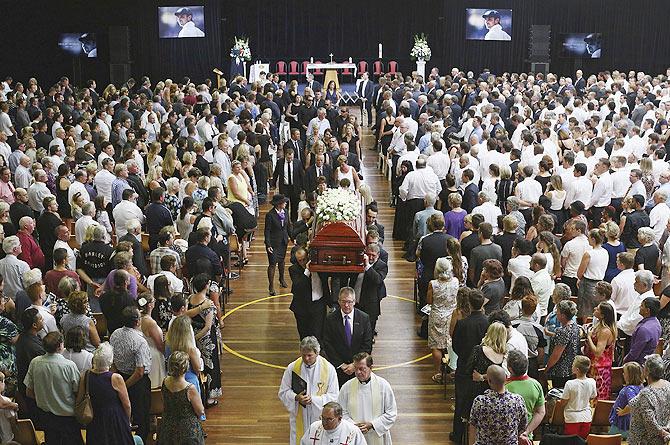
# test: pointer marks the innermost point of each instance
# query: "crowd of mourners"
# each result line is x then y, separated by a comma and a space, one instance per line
540, 237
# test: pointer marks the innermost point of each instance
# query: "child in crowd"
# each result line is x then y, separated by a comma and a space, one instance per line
620, 414
578, 393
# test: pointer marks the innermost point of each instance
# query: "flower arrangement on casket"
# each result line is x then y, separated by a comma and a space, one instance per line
337, 205
420, 50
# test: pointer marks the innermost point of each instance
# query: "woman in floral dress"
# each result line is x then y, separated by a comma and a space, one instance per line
650, 409
600, 341
442, 298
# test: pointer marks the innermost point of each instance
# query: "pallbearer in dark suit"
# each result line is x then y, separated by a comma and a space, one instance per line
296, 145
373, 289
309, 315
346, 332
288, 178
276, 240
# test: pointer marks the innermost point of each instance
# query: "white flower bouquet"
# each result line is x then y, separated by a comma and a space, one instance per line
241, 51
337, 205
420, 50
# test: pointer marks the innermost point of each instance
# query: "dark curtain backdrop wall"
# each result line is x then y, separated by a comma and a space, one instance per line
635, 34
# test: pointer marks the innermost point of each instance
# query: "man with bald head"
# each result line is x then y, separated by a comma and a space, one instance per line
498, 416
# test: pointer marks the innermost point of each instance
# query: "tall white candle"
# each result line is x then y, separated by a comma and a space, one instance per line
380, 50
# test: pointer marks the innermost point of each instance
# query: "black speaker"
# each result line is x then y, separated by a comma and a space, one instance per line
119, 73
119, 44
540, 67
539, 45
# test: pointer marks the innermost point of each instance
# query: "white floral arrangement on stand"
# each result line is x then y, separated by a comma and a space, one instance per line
240, 51
420, 50
337, 205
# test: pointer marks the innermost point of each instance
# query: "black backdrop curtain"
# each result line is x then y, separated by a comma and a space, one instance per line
635, 34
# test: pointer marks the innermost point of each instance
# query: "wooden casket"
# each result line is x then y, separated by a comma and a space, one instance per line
338, 247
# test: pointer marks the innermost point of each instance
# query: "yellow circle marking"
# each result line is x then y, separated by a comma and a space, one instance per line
270, 365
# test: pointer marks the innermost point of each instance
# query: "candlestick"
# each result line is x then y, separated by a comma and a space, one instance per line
380, 50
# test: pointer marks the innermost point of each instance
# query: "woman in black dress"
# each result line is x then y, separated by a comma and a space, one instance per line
62, 186
276, 240
109, 399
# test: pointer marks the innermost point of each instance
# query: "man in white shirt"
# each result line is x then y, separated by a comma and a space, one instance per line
620, 180
495, 31
580, 189
528, 191
321, 380
636, 186
602, 188
185, 20
38, 191
168, 266
439, 161
397, 147
125, 211
541, 282
517, 123
319, 121
22, 175
420, 182
488, 210
519, 264
623, 285
83, 223
104, 178
644, 282
659, 214
80, 178
572, 253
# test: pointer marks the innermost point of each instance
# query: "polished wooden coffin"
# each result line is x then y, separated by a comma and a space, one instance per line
338, 247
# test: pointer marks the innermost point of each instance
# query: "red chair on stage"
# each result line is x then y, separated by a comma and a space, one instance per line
393, 67
281, 68
347, 71
304, 67
378, 68
293, 68
318, 70
362, 67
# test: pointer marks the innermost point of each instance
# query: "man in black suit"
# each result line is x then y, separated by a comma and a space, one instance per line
296, 145
319, 168
313, 84
372, 237
468, 333
365, 91
276, 240
309, 315
347, 332
373, 289
430, 248
470, 191
371, 212
288, 178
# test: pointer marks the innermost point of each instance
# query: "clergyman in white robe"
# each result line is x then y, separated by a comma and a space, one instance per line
322, 386
371, 402
346, 433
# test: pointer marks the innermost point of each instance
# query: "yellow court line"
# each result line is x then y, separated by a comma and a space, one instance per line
271, 365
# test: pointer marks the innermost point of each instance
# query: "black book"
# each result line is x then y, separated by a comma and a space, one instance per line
298, 384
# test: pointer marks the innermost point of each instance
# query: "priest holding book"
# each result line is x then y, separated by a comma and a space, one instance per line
308, 384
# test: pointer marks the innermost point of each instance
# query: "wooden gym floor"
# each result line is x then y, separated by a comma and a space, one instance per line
261, 338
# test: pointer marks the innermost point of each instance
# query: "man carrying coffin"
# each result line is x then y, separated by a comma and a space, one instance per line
332, 429
368, 401
307, 385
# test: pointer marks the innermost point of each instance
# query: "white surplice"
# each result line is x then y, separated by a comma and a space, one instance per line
346, 433
372, 402
329, 390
